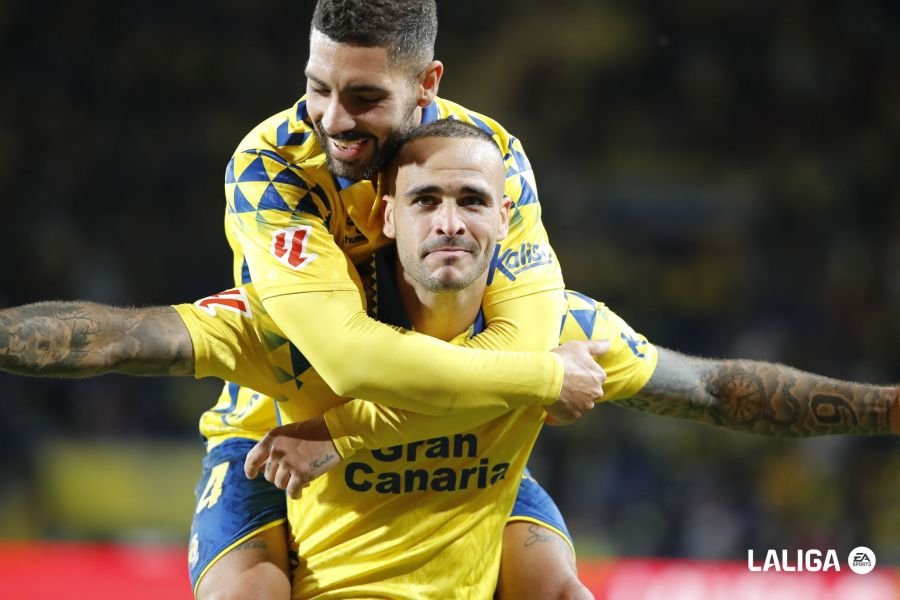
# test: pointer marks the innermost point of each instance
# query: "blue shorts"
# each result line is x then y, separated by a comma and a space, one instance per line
231, 508
534, 505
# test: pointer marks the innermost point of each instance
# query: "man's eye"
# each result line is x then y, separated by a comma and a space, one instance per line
426, 201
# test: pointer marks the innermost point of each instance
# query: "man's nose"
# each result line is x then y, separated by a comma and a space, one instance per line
449, 220
336, 119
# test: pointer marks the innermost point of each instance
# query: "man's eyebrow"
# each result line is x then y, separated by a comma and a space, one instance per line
357, 89
423, 189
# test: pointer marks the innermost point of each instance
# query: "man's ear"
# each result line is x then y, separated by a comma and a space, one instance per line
505, 205
388, 226
429, 81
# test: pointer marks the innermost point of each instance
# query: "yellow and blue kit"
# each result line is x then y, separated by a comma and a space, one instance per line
445, 485
298, 231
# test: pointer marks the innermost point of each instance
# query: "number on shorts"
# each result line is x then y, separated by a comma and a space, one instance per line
213, 488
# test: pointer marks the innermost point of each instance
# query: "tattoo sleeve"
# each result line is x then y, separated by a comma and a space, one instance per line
765, 398
80, 339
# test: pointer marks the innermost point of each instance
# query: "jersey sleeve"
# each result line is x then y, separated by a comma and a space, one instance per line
283, 222
224, 345
359, 424
629, 363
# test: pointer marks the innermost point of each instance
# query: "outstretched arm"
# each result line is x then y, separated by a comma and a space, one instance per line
765, 398
81, 339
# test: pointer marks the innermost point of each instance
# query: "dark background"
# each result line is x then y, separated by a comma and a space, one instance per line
722, 174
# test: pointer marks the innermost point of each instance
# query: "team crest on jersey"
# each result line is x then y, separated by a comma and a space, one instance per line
289, 246
193, 551
513, 261
234, 300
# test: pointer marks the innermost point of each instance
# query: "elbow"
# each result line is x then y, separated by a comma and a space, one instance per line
347, 387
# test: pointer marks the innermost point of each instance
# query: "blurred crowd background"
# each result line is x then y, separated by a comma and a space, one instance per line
724, 174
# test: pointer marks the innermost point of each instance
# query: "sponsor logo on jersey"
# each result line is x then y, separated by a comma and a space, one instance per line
352, 235
513, 261
289, 246
234, 300
634, 343
420, 477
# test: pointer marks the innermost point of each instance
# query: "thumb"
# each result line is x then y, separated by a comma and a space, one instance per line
256, 458
598, 347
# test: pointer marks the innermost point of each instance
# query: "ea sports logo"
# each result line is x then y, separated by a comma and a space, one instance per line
861, 560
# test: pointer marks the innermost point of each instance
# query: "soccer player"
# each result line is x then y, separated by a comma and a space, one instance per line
429, 195
303, 219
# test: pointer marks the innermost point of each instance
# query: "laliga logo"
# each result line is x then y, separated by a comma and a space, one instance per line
861, 560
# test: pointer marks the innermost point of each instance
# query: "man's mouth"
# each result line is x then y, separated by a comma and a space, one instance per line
447, 252
348, 149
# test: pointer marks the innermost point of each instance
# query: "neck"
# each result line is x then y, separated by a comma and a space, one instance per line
443, 315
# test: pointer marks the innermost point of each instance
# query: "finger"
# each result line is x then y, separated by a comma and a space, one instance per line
282, 478
256, 458
271, 470
598, 347
295, 487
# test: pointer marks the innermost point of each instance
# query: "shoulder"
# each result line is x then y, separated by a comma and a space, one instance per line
285, 137
513, 152
447, 109
280, 165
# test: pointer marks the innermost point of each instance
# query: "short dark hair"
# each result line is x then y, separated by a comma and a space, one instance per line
406, 28
442, 128
445, 128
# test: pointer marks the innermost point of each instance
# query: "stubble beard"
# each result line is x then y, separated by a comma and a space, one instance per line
382, 154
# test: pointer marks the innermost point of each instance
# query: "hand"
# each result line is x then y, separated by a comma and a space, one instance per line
293, 455
582, 383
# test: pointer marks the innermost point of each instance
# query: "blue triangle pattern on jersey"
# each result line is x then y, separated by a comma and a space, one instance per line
481, 124
585, 319
255, 171
299, 364
241, 204
229, 171
273, 340
272, 200
269, 153
527, 196
285, 137
289, 177
521, 160
586, 299
308, 205
302, 114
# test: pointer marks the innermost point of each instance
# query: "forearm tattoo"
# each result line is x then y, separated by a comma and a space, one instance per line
77, 339
764, 398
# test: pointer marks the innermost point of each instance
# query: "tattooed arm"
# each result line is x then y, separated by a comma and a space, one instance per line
765, 398
80, 339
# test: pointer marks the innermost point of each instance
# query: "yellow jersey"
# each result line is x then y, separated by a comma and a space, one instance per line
294, 227
417, 507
